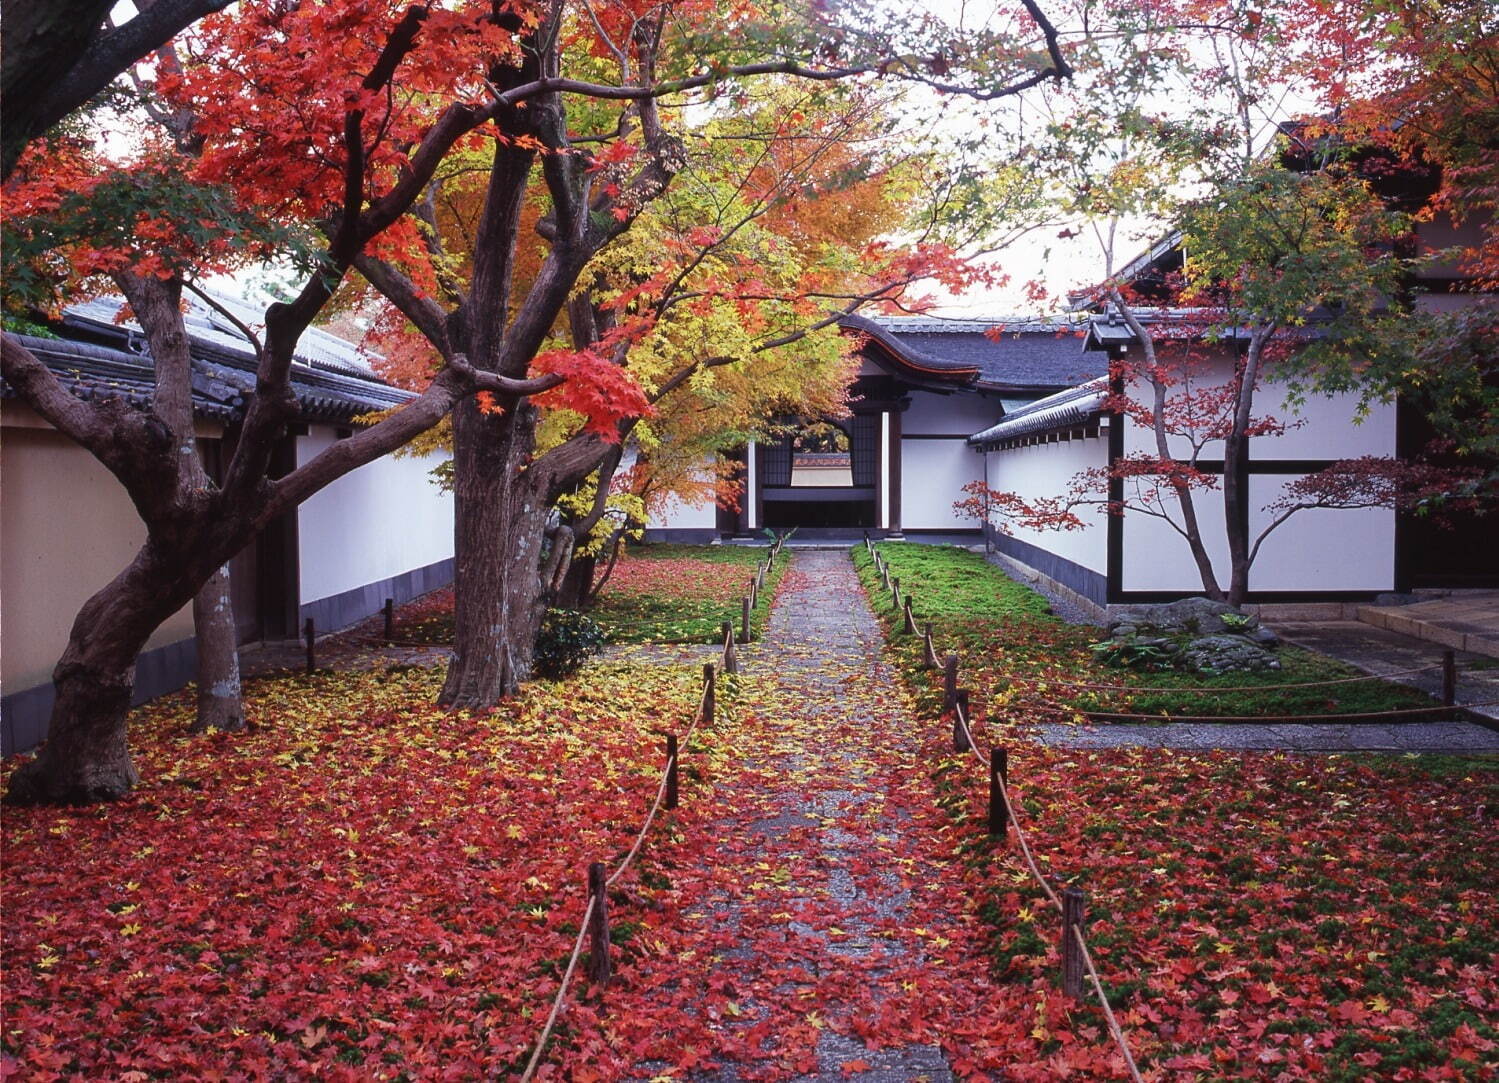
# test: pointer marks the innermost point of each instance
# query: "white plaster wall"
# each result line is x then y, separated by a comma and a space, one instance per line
681, 515
1331, 428
932, 476
1320, 549
1317, 550
1044, 470
1156, 557
66, 529
383, 519
960, 414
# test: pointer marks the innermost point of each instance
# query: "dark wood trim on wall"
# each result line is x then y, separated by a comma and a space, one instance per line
933, 436
895, 456
1114, 524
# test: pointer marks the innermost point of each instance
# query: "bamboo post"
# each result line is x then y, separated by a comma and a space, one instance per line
999, 782
309, 633
730, 659
710, 691
390, 619
671, 770
960, 741
598, 926
949, 683
749, 606
1449, 678
1072, 954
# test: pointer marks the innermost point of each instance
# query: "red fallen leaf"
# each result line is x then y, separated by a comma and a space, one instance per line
849, 1067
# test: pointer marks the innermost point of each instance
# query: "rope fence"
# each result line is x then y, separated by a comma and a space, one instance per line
595, 927
594, 930
1076, 959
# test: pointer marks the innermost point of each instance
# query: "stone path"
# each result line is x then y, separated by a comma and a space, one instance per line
808, 894
1462, 737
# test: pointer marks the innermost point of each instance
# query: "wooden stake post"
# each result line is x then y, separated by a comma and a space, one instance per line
390, 619
960, 742
1449, 678
1072, 952
999, 781
748, 616
599, 968
710, 688
309, 633
910, 625
730, 660
671, 770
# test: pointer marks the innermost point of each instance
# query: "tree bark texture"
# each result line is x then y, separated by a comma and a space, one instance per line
158, 306
499, 526
220, 703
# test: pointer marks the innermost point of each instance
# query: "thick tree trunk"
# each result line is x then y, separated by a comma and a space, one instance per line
498, 532
220, 696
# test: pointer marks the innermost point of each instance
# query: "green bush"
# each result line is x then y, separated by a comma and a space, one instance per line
567, 639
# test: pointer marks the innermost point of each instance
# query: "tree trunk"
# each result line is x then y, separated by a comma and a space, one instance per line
577, 585
220, 697
158, 306
499, 525
1235, 470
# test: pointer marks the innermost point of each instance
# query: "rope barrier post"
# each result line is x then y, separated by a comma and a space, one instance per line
390, 619
309, 633
1072, 957
710, 691
999, 781
754, 594
910, 618
1449, 678
730, 660
960, 742
949, 683
598, 926
671, 770
744, 634
929, 650
895, 594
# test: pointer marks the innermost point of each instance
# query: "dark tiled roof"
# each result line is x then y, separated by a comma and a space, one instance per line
1062, 410
1003, 355
116, 364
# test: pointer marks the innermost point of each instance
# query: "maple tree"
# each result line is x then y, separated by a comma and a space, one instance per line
340, 115
192, 530
1293, 265
652, 248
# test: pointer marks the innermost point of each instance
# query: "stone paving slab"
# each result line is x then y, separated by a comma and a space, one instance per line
1465, 621
1462, 737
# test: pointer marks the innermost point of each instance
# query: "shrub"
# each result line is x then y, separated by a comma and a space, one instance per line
567, 639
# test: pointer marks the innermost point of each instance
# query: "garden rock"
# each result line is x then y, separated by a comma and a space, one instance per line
1189, 616
1228, 654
